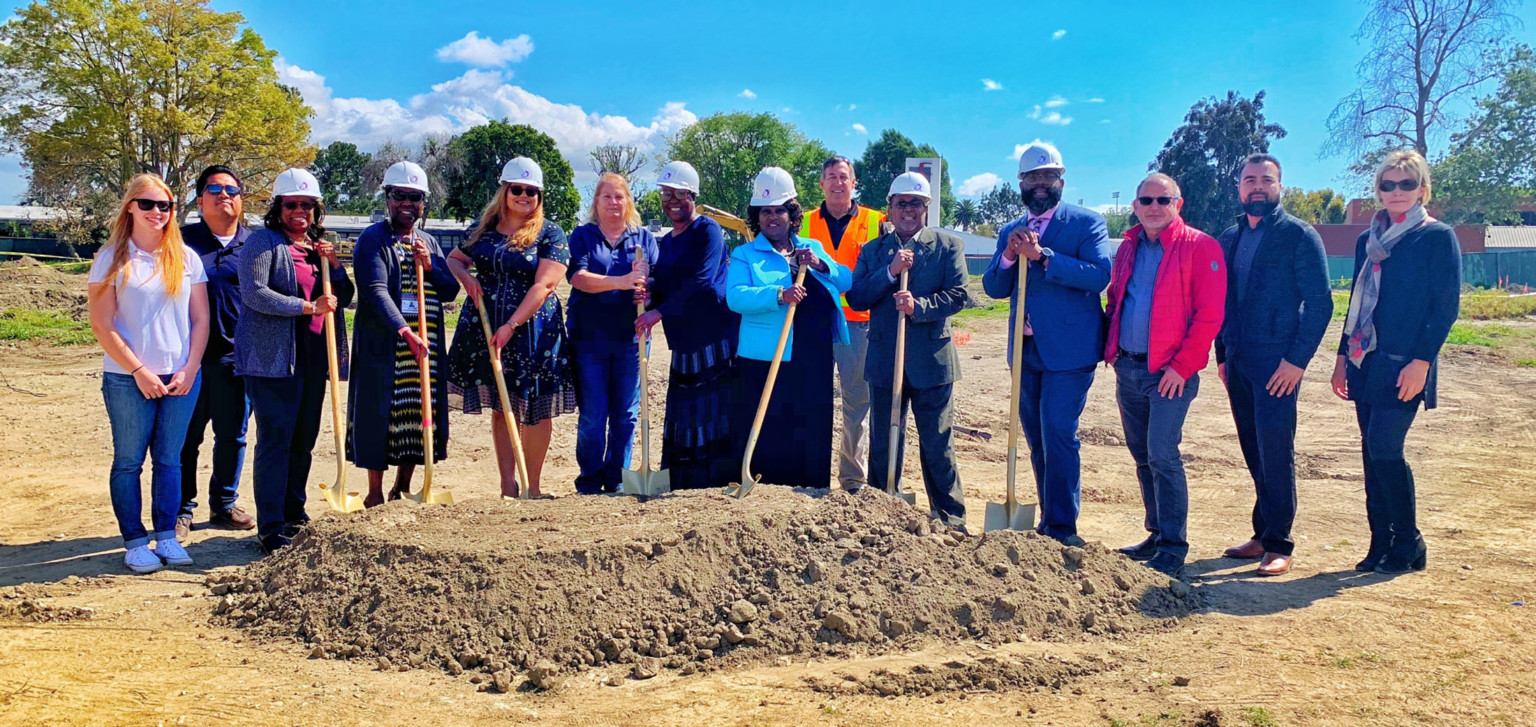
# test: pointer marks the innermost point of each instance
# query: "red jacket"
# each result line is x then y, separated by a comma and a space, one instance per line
1188, 300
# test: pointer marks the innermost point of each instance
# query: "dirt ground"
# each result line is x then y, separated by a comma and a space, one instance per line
83, 642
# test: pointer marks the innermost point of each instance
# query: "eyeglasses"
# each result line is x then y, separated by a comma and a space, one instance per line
674, 193
518, 190
214, 190
292, 205
1161, 201
1407, 185
910, 204
401, 195
146, 205
772, 212
1040, 177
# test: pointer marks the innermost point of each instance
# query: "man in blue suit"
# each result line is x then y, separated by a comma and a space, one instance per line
1068, 254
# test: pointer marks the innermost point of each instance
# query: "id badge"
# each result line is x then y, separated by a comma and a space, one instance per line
409, 305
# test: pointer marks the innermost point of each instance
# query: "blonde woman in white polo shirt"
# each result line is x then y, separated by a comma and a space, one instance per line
149, 311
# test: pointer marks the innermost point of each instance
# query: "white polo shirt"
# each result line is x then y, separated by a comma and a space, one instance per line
156, 327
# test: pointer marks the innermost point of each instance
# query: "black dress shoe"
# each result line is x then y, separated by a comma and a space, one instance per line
1373, 556
1167, 564
1143, 550
273, 543
1401, 560
1074, 541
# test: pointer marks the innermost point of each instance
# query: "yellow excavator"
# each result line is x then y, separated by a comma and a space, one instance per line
727, 220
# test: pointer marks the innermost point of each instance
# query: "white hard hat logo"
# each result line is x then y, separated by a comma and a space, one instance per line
414, 178
525, 174
666, 176
1043, 159
767, 193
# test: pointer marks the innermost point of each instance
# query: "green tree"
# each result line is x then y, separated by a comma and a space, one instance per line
479, 155
967, 214
1319, 206
884, 159
728, 150
648, 204
339, 167
1118, 223
97, 91
1492, 166
1425, 56
621, 159
1206, 154
1001, 205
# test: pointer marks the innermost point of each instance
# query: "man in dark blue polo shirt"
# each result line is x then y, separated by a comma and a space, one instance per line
217, 238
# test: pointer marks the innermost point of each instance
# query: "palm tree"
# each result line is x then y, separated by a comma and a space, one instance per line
967, 214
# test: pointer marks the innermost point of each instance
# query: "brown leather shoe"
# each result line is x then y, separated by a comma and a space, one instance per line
1275, 564
1246, 551
233, 519
183, 528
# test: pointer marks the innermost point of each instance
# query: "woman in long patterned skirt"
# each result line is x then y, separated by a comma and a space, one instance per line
519, 258
384, 417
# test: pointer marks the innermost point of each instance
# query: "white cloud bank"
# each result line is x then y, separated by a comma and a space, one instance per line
746, 93
1052, 118
486, 53
979, 184
1058, 35
988, 84
860, 129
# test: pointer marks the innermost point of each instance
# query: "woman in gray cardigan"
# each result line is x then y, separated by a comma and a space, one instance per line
280, 347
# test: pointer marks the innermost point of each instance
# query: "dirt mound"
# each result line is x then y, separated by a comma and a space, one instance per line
690, 581
27, 283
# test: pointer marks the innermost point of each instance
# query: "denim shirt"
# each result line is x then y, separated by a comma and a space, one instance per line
605, 322
1136, 326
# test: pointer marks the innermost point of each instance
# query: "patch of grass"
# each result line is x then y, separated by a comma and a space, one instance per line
1340, 305
21, 324
1529, 363
1497, 306
79, 268
1259, 717
997, 309
1480, 334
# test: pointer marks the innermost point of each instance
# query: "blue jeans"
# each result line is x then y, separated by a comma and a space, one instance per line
1050, 405
288, 414
224, 402
1154, 426
607, 402
155, 426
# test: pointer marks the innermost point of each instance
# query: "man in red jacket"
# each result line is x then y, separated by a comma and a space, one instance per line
1167, 296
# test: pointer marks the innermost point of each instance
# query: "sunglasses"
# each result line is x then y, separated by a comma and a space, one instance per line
909, 204
146, 205
1162, 201
518, 190
1040, 177
1407, 185
400, 195
214, 190
292, 205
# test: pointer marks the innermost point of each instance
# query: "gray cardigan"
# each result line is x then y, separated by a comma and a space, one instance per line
269, 291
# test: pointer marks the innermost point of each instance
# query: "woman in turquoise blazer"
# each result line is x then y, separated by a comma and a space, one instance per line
796, 446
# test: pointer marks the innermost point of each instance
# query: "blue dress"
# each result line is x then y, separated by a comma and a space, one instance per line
537, 361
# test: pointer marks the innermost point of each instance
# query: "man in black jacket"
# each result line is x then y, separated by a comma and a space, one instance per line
217, 238
1278, 307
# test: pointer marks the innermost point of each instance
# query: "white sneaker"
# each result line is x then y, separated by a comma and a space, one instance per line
172, 553
142, 560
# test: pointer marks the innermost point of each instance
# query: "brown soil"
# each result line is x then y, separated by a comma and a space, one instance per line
27, 283
689, 580
1322, 645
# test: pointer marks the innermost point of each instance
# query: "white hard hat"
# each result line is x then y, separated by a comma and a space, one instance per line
1039, 155
679, 175
911, 183
406, 175
773, 186
296, 183
522, 170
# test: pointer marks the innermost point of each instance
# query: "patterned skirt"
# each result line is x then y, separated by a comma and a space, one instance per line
405, 421
696, 442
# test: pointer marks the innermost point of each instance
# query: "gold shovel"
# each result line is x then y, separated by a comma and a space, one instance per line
506, 403
897, 421
645, 482
740, 489
336, 494
1010, 514
426, 496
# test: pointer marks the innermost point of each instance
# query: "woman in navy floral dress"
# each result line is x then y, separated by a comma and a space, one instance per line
519, 258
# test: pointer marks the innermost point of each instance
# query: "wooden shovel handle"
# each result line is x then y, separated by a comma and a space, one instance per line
773, 374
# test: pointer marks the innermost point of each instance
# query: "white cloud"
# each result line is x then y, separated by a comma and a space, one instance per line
471, 99
486, 53
860, 128
1058, 35
746, 93
1104, 121
1095, 99
979, 184
988, 84
853, 107
1056, 102
1054, 118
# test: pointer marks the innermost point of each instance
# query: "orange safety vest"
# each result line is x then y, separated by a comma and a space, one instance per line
864, 227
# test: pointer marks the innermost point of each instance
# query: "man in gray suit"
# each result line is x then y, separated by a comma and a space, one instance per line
935, 291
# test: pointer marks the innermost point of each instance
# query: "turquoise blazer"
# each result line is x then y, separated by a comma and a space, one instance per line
757, 274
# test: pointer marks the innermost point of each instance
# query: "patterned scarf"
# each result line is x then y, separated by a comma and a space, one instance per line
1361, 323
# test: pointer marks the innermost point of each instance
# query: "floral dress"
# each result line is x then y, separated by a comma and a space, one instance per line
537, 361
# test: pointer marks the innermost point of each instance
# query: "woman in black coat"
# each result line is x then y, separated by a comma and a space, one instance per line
1405, 297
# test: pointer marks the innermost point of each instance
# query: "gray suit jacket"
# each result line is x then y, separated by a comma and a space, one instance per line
937, 280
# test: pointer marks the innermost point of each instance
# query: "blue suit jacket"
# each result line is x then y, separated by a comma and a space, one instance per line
757, 274
1063, 299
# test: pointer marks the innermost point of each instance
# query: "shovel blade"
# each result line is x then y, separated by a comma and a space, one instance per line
435, 497
646, 484
1023, 517
910, 497
739, 490
342, 501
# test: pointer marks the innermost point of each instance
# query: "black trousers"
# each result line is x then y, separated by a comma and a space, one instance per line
932, 412
1266, 430
1391, 507
221, 400
288, 412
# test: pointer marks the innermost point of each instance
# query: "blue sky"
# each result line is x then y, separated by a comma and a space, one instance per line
1107, 82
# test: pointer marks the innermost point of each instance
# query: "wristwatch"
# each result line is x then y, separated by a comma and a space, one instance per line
1045, 256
